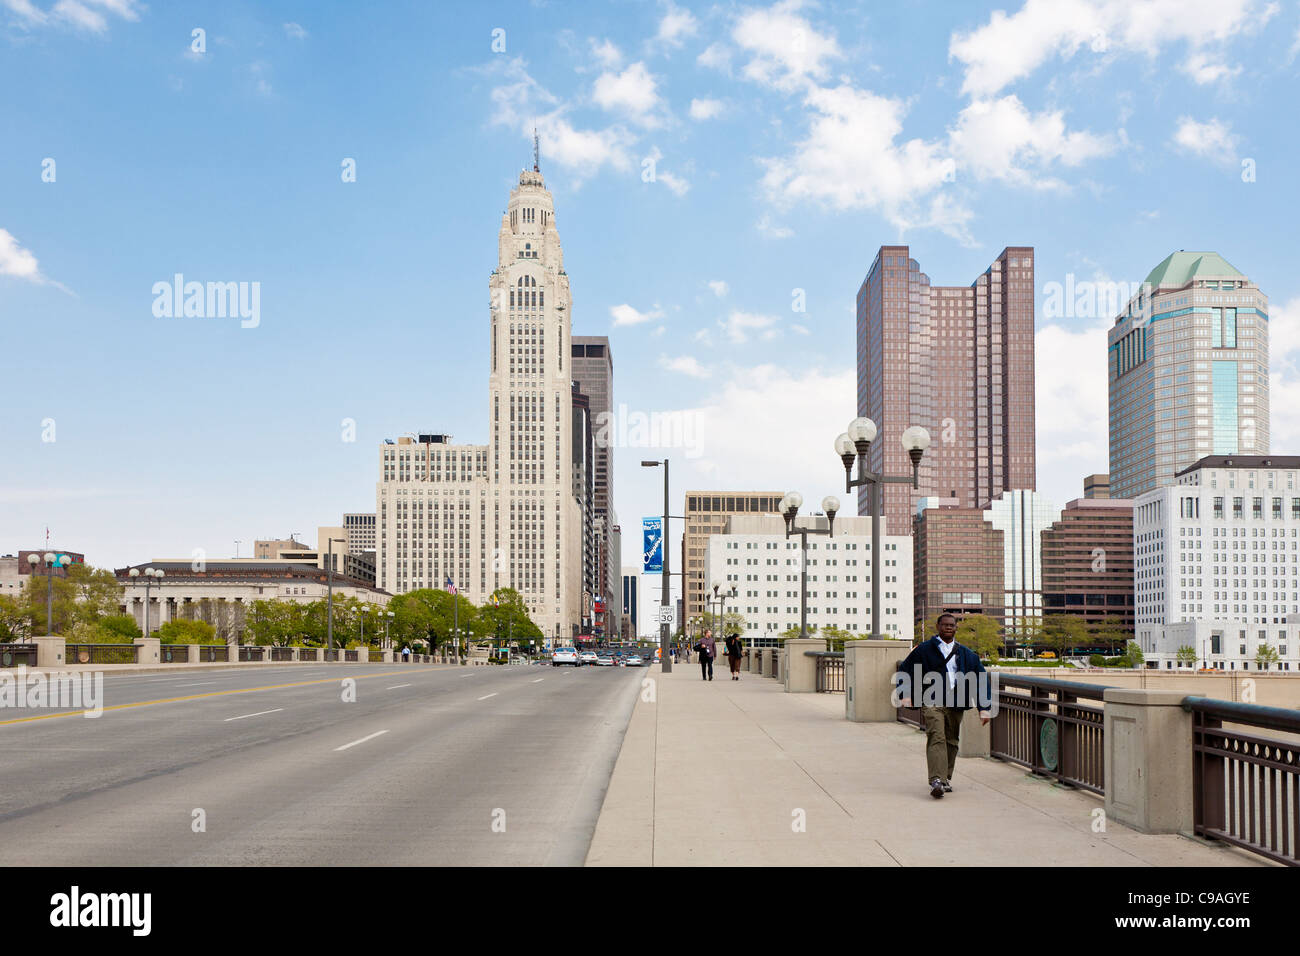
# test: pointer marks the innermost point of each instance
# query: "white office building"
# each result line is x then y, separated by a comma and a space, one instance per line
753, 555
1217, 564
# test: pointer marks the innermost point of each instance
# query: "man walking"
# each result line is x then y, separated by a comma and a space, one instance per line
945, 698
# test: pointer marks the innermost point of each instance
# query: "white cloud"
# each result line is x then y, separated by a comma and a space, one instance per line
995, 139
800, 415
716, 56
606, 53
676, 25
1213, 139
1071, 403
626, 315
19, 263
704, 336
786, 51
87, 15
678, 185
1203, 68
769, 231
705, 109
801, 329
738, 325
631, 93
295, 31
719, 287
1010, 47
521, 103
850, 159
1284, 375
685, 364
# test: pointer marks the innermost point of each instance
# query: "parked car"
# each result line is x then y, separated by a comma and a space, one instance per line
565, 655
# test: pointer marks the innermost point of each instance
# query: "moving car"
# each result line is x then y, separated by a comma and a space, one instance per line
605, 660
565, 655
588, 657
634, 661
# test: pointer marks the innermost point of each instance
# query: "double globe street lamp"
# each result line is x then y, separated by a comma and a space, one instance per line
856, 443
150, 575
790, 505
51, 561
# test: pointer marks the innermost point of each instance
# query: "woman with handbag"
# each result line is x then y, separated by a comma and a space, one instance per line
734, 651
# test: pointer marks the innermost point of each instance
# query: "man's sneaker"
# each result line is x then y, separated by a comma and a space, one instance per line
936, 788
947, 788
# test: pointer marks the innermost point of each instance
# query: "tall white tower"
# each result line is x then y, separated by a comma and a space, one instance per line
538, 546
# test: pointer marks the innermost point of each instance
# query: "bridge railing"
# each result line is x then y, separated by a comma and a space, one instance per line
830, 671
1246, 787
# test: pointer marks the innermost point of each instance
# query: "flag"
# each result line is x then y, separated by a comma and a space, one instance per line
451, 588
495, 601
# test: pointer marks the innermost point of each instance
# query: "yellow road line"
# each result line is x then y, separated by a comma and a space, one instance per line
213, 693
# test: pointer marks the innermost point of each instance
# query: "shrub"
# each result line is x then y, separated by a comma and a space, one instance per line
181, 631
1096, 660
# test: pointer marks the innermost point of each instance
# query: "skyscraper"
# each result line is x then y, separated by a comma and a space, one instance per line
508, 513
957, 360
1187, 360
593, 371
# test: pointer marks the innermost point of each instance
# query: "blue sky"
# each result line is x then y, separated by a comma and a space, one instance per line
713, 166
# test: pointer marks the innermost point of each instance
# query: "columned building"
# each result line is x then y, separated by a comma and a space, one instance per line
1188, 371
958, 361
507, 513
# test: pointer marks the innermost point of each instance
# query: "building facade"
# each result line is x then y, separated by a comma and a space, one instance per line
1187, 361
16, 569
504, 514
706, 514
1217, 559
359, 529
957, 360
1088, 564
753, 555
631, 620
1022, 517
958, 563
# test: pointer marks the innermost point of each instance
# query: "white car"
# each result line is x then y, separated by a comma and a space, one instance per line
634, 661
588, 657
565, 655
605, 661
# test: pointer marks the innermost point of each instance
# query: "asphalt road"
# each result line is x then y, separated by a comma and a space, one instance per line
429, 766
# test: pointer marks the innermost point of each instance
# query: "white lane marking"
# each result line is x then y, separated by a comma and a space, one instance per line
201, 683
258, 714
361, 741
470, 674
489, 695
539, 680
395, 686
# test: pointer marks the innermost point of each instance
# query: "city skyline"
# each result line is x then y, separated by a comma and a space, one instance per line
201, 427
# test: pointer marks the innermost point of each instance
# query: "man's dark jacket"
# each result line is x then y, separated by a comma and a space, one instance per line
929, 656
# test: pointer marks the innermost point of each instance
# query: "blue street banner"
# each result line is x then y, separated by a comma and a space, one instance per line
653, 537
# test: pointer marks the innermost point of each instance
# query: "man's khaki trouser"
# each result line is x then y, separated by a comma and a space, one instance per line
942, 728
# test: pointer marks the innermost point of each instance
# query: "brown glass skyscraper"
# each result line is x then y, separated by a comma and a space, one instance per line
958, 360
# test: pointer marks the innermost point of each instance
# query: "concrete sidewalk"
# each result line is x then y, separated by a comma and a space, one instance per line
724, 773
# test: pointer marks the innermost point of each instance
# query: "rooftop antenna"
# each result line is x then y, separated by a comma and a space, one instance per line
537, 163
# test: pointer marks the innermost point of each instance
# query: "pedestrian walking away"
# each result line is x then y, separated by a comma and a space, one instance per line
942, 712
734, 650
708, 650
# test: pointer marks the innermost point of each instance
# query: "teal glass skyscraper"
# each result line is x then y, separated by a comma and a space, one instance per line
1187, 361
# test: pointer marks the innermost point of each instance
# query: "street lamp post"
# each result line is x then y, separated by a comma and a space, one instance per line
150, 575
329, 594
51, 561
665, 659
790, 505
388, 642
855, 443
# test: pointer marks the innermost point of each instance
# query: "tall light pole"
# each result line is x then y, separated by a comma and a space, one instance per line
51, 561
388, 616
665, 659
790, 505
150, 575
855, 443
329, 594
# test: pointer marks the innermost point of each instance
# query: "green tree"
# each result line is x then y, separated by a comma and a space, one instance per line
16, 620
1186, 655
1064, 632
426, 615
123, 624
181, 631
504, 617
1265, 655
980, 633
1133, 656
